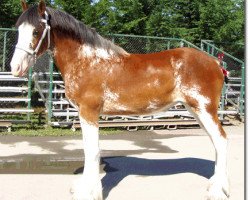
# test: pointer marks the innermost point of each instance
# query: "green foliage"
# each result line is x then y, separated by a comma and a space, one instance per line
9, 12
193, 20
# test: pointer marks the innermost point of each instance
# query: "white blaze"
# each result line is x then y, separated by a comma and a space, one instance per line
21, 60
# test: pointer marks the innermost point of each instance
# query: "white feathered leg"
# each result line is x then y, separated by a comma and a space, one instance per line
218, 184
89, 187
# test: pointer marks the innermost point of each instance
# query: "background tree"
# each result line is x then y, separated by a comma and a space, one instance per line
219, 20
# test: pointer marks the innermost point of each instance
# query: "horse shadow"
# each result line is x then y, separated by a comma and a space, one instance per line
119, 167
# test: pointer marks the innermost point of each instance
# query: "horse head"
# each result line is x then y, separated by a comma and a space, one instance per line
33, 37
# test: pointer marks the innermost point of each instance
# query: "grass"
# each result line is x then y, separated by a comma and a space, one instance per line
31, 131
38, 127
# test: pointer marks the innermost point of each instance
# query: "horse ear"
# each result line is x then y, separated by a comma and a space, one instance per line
24, 4
41, 7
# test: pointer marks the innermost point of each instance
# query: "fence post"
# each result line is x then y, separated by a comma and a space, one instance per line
181, 43
212, 52
29, 91
202, 45
4, 50
112, 38
222, 107
208, 49
168, 45
242, 89
51, 69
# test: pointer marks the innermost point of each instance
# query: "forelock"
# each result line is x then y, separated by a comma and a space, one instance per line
30, 16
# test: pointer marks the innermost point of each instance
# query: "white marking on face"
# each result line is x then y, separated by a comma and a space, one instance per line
25, 35
21, 60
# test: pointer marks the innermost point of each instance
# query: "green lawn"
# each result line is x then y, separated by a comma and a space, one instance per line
50, 131
38, 127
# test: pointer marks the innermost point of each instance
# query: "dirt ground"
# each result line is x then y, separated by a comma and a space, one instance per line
148, 165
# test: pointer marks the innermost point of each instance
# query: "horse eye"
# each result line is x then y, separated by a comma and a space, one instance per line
35, 33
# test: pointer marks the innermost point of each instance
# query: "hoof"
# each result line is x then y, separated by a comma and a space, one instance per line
218, 188
86, 191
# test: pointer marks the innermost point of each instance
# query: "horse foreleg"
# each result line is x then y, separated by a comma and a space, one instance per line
89, 187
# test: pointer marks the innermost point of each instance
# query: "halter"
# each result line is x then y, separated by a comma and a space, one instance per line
45, 31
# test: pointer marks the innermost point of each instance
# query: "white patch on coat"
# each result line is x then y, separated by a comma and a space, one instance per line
103, 53
94, 52
87, 51
111, 102
153, 105
177, 93
194, 92
152, 70
178, 64
111, 96
156, 83
71, 83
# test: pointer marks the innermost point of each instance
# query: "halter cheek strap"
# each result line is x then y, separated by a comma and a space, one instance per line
45, 31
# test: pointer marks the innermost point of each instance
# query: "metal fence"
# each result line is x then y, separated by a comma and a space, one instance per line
235, 89
49, 84
7, 41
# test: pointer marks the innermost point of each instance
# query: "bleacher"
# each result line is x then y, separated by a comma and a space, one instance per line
15, 99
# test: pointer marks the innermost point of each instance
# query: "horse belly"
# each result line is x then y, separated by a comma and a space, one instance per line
137, 103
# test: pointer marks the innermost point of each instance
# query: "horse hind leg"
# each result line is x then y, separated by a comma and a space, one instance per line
207, 116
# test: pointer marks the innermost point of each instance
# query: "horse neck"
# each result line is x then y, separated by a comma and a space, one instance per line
69, 54
65, 52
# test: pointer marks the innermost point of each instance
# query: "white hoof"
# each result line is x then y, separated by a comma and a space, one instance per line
218, 188
81, 190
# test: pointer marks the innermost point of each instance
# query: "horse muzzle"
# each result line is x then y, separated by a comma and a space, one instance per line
21, 62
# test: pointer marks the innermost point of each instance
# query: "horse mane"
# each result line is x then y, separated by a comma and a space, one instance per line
67, 26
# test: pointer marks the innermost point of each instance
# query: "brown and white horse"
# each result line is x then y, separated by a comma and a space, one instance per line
102, 78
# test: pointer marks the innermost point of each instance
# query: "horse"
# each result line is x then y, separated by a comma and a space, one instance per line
102, 78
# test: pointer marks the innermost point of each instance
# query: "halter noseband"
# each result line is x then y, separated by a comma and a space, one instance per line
45, 31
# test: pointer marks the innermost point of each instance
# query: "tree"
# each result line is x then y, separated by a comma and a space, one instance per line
9, 12
223, 22
193, 20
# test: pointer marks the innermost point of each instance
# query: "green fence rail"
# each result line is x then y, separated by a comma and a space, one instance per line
7, 41
235, 66
47, 79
